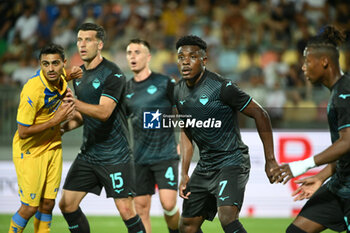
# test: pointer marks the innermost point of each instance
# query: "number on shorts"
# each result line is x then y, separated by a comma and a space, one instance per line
169, 174
223, 185
117, 180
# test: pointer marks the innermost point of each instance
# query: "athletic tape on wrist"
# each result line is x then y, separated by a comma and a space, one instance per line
171, 212
300, 167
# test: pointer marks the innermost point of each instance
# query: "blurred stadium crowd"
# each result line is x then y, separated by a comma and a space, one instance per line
256, 43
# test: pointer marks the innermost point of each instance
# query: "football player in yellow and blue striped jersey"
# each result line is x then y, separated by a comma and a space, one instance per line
37, 151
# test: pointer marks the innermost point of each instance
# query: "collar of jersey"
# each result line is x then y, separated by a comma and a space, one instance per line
337, 82
52, 87
201, 80
143, 81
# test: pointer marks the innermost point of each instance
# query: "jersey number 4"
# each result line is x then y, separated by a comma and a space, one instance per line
169, 174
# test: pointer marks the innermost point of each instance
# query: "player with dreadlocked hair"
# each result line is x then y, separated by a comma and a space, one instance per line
329, 205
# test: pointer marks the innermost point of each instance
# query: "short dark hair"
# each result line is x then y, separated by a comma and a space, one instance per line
327, 40
191, 40
52, 49
140, 41
100, 32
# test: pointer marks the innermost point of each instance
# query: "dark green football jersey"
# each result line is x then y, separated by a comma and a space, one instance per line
338, 118
212, 106
152, 94
104, 142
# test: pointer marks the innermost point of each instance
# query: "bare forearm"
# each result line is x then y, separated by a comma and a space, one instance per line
326, 172
28, 131
186, 149
186, 159
92, 110
76, 122
263, 125
332, 153
264, 128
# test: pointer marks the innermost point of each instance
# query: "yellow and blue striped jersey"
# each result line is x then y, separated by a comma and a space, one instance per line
38, 103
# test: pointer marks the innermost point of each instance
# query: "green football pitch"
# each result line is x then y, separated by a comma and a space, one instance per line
110, 224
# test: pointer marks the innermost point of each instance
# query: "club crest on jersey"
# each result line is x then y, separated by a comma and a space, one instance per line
152, 89
96, 83
77, 82
32, 196
151, 120
204, 99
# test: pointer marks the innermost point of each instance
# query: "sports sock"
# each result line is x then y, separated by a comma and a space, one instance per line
17, 224
42, 222
135, 225
294, 229
234, 227
77, 221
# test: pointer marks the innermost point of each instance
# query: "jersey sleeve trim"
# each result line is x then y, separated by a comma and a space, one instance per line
344, 126
22, 123
245, 104
109, 96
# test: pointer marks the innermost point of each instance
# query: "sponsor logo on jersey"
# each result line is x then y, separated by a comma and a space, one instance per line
129, 96
344, 96
30, 102
182, 102
118, 190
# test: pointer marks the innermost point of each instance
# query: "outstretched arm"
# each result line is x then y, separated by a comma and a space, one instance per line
263, 124
336, 150
330, 155
309, 185
186, 150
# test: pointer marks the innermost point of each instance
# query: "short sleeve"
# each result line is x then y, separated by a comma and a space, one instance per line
343, 111
114, 86
233, 96
28, 106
